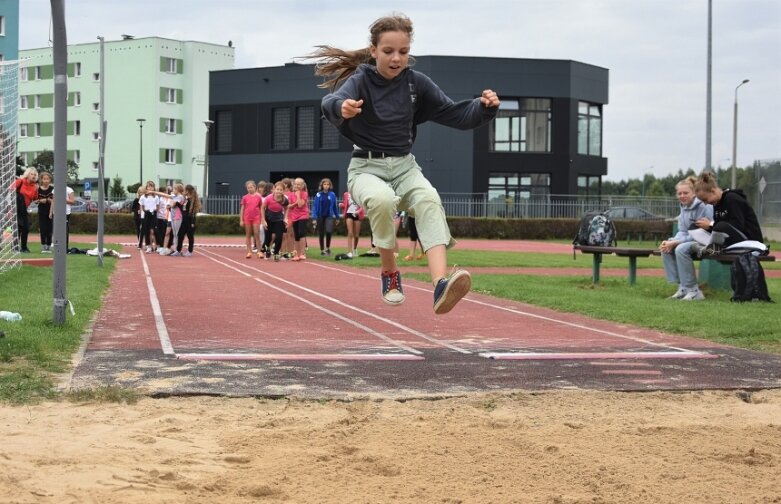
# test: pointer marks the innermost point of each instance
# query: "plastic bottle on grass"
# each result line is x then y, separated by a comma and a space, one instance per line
10, 316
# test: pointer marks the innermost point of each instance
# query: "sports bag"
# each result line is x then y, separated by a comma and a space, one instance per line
748, 279
596, 229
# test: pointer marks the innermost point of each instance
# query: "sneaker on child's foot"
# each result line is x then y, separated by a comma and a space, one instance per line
679, 293
450, 290
276, 257
174, 254
693, 295
187, 254
392, 293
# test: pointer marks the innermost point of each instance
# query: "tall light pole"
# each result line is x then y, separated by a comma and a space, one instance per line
208, 124
141, 151
735, 136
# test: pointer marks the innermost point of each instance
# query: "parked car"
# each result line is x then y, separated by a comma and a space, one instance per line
92, 206
631, 213
123, 206
79, 206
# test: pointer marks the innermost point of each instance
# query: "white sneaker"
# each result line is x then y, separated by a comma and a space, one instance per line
148, 250
349, 255
693, 295
679, 294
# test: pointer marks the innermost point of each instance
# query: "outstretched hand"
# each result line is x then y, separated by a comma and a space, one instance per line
489, 98
351, 108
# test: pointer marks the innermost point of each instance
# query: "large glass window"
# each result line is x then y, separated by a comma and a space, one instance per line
513, 194
522, 126
589, 129
588, 185
281, 129
224, 130
329, 135
305, 128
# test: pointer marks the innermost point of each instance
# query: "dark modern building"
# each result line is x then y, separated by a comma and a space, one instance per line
547, 138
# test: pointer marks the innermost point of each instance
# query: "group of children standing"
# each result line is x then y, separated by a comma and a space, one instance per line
164, 219
278, 213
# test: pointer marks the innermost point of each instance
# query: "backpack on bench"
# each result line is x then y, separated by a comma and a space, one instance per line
748, 279
596, 229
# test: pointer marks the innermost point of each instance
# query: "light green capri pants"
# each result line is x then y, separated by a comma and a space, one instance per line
383, 185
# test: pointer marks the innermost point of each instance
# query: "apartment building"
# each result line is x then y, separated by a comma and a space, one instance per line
156, 99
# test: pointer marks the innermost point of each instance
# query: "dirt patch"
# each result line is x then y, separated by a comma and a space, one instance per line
552, 447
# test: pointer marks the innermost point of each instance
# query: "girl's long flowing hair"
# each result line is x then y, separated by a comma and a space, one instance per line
192, 195
336, 65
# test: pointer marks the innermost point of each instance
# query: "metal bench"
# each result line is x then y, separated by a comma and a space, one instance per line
631, 253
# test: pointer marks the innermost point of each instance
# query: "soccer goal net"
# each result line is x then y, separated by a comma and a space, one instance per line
9, 107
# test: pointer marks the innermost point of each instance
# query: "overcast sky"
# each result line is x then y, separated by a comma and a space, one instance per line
655, 50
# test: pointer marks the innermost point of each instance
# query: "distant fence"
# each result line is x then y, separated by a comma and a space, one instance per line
480, 205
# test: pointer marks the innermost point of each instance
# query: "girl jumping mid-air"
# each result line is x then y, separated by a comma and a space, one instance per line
377, 101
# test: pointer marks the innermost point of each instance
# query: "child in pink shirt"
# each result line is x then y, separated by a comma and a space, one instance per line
299, 217
249, 216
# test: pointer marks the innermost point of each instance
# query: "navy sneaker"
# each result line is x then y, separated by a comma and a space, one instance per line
392, 293
449, 291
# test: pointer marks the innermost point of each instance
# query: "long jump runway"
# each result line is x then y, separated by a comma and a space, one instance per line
219, 324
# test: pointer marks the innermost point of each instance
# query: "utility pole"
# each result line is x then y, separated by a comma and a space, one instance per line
60, 54
708, 99
208, 124
141, 150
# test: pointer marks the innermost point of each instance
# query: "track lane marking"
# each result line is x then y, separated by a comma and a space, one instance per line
369, 330
388, 321
162, 330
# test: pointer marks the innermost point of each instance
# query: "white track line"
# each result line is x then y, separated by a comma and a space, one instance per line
303, 357
534, 315
388, 321
596, 355
162, 331
310, 303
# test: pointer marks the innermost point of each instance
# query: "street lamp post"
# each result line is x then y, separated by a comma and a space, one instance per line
141, 151
208, 124
735, 136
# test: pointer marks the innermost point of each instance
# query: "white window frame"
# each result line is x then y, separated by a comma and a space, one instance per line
37, 130
77, 99
170, 156
170, 126
37, 73
2, 26
23, 74
77, 69
77, 157
37, 101
23, 130
23, 102
172, 65
96, 77
171, 98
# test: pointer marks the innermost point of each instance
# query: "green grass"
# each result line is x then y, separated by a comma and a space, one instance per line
34, 351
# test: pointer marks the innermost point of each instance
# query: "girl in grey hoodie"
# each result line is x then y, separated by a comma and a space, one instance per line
678, 251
